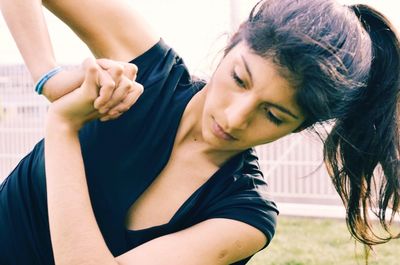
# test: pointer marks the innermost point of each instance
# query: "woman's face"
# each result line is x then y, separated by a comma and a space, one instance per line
248, 103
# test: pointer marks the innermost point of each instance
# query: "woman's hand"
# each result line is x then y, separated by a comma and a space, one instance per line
118, 97
97, 90
115, 97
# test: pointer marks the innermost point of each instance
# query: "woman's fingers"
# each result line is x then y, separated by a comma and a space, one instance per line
132, 96
112, 71
107, 89
113, 101
130, 71
113, 89
130, 99
118, 69
120, 92
91, 83
122, 74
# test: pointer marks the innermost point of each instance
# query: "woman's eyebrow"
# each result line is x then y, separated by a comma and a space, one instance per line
279, 107
284, 110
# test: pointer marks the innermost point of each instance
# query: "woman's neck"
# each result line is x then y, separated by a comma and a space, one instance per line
189, 135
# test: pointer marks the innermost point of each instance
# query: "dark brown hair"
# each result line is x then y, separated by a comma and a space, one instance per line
344, 63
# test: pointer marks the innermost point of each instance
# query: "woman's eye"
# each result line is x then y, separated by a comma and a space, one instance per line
237, 80
274, 119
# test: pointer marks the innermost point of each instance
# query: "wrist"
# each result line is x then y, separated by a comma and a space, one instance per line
63, 83
38, 70
46, 77
59, 123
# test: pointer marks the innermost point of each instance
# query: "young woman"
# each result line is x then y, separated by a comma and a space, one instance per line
174, 180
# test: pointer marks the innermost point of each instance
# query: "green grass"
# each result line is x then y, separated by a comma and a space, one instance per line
301, 241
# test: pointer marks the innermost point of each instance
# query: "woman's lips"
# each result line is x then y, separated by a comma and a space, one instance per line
219, 132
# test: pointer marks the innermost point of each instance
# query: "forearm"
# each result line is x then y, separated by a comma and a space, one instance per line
76, 238
28, 27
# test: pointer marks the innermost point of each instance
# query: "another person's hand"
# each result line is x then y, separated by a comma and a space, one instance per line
79, 106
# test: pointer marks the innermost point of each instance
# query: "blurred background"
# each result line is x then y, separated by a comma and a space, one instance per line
198, 31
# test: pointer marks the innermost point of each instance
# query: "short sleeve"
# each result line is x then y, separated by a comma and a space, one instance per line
247, 199
251, 208
154, 64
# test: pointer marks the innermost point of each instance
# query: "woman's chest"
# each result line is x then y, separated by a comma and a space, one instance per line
178, 180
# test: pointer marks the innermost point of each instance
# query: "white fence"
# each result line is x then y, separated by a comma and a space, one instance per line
295, 171
293, 165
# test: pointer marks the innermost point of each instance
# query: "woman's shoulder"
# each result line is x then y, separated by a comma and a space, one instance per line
242, 194
242, 180
158, 59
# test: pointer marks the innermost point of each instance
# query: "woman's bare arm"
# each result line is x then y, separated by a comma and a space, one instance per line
111, 29
75, 238
28, 27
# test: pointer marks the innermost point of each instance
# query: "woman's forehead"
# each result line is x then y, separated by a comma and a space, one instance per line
268, 79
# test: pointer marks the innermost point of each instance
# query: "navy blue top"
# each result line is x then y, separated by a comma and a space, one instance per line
122, 158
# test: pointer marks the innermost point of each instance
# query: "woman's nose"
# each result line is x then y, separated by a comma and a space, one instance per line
240, 113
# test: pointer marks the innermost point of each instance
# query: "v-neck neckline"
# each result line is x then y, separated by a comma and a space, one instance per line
183, 105
219, 173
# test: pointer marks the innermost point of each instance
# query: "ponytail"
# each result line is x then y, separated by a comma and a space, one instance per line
362, 150
344, 64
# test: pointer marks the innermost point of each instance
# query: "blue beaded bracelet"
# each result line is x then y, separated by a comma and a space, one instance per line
45, 78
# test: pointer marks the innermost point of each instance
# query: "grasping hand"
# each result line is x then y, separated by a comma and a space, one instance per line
118, 90
78, 107
119, 94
